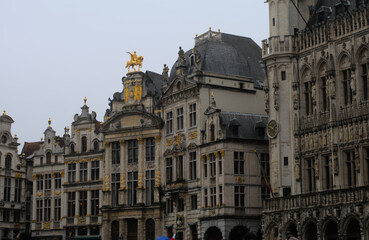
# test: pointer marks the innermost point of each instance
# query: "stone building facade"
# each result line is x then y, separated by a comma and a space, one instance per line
317, 91
199, 180
13, 194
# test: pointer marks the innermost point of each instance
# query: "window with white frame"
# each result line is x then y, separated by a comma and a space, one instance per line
193, 115
83, 171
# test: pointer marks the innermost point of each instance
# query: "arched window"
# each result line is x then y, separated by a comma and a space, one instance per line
179, 85
362, 79
115, 230
4, 139
8, 162
347, 85
96, 146
150, 229
84, 144
307, 92
48, 157
212, 132
72, 150
323, 88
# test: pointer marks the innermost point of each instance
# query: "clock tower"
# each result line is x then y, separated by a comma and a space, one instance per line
281, 92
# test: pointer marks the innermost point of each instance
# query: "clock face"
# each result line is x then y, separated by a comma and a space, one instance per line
272, 128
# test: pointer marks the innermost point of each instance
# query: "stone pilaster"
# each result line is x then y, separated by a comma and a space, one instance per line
123, 172
157, 169
141, 159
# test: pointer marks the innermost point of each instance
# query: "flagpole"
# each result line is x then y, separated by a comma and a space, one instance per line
264, 174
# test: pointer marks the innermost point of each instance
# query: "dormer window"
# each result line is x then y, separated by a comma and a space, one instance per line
179, 85
96, 146
233, 127
48, 157
4, 139
192, 59
212, 132
84, 144
260, 129
72, 150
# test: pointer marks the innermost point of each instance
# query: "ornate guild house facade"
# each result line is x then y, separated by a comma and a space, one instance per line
317, 91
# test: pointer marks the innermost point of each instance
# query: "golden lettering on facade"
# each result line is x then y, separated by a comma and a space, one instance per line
192, 135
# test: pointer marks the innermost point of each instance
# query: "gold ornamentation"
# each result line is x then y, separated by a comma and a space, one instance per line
140, 180
89, 129
216, 154
135, 61
39, 194
4, 113
157, 179
85, 101
138, 92
106, 143
81, 220
157, 138
202, 157
207, 156
77, 130
49, 122
192, 135
122, 142
57, 192
107, 183
126, 94
239, 179
179, 139
34, 176
46, 225
170, 142
222, 153
140, 140
123, 181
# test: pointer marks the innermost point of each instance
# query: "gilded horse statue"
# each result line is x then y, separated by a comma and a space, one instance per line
135, 61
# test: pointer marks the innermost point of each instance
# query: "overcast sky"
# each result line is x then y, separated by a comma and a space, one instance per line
53, 53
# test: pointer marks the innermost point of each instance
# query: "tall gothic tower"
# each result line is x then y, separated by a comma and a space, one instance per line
281, 87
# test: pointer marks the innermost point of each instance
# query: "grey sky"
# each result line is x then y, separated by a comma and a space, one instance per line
53, 53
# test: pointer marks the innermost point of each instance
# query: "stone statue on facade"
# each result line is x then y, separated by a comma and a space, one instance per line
135, 61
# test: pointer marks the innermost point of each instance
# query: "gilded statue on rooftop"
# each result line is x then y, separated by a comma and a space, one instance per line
135, 61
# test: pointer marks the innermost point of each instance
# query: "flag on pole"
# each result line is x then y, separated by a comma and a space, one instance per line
264, 174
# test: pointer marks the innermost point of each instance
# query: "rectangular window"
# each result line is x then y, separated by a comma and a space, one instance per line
179, 167
82, 203
133, 151
347, 91
364, 78
115, 153
238, 163
169, 170
351, 168
213, 170
150, 183
16, 216
220, 195
6, 215
327, 172
286, 191
192, 115
180, 205
39, 209
285, 161
220, 165
193, 202
283, 75
57, 215
95, 170
95, 202
71, 172
239, 196
169, 122
179, 118
83, 171
47, 211
115, 185
57, 180
205, 197
71, 204
169, 205
17, 190
213, 197
205, 167
150, 149
40, 182
132, 188
192, 165
310, 174
7, 187
47, 181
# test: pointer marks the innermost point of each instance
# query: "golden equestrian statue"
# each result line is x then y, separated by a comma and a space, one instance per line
135, 61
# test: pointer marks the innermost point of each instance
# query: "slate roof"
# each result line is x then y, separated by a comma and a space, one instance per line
247, 124
30, 147
228, 54
325, 10
153, 83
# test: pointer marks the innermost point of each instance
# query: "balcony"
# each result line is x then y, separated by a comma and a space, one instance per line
316, 199
179, 186
279, 45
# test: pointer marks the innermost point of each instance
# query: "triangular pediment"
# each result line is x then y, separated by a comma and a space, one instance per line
178, 84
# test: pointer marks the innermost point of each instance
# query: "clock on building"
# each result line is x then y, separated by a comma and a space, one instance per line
272, 128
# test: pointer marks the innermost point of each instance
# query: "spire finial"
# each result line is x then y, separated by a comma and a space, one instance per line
49, 122
209, 28
4, 113
218, 29
85, 100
